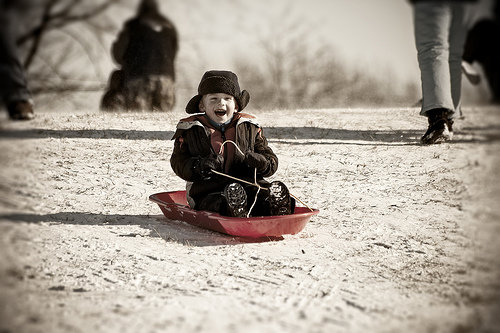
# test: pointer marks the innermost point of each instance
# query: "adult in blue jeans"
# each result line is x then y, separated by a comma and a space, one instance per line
14, 91
440, 31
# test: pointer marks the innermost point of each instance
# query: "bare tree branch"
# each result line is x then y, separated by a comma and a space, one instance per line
54, 31
87, 48
38, 33
68, 19
62, 18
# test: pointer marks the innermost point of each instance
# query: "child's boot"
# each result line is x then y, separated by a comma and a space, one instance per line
279, 199
236, 199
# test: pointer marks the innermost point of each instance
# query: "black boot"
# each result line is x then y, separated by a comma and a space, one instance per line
440, 127
236, 199
280, 202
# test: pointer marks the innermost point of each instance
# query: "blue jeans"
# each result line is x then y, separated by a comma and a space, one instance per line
13, 85
440, 32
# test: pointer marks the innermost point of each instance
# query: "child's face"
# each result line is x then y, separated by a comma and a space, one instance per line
219, 107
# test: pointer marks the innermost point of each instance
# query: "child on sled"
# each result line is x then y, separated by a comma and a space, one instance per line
220, 139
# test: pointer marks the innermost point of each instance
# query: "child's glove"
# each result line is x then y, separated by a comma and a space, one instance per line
204, 166
256, 160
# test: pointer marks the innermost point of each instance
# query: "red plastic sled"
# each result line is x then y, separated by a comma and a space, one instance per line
175, 207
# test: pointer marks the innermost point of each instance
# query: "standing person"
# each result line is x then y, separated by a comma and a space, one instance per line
220, 138
14, 90
145, 49
483, 46
440, 30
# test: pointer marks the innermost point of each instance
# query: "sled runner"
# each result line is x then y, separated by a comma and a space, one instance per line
175, 207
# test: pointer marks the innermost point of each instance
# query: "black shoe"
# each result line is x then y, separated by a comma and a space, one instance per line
236, 199
440, 127
279, 199
21, 110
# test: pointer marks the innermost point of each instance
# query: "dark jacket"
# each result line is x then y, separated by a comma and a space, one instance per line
147, 47
438, 1
192, 142
483, 45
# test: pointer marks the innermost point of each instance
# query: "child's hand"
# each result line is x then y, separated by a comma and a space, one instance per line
207, 164
256, 160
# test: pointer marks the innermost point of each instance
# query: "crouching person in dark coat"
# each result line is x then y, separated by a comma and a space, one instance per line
220, 140
483, 46
145, 49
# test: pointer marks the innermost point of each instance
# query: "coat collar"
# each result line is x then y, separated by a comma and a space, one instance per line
200, 120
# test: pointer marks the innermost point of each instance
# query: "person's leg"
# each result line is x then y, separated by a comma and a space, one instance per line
164, 94
113, 98
133, 92
213, 202
494, 82
259, 207
273, 199
432, 22
13, 85
491, 68
457, 35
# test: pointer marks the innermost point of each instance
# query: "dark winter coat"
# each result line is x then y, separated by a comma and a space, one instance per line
192, 142
438, 1
483, 45
147, 46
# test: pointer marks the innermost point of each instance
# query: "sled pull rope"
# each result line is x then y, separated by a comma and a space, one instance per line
260, 187
302, 202
234, 178
255, 178
256, 194
230, 141
255, 175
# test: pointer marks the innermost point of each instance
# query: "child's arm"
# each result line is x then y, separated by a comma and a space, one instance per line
181, 160
192, 167
262, 148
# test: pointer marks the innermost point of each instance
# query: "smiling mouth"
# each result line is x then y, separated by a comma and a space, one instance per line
220, 113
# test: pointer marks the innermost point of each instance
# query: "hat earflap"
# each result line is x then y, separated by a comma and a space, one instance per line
243, 100
192, 106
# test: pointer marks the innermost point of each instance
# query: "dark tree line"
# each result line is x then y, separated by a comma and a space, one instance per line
64, 43
295, 72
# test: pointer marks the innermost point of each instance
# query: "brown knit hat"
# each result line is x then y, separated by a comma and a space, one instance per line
214, 82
